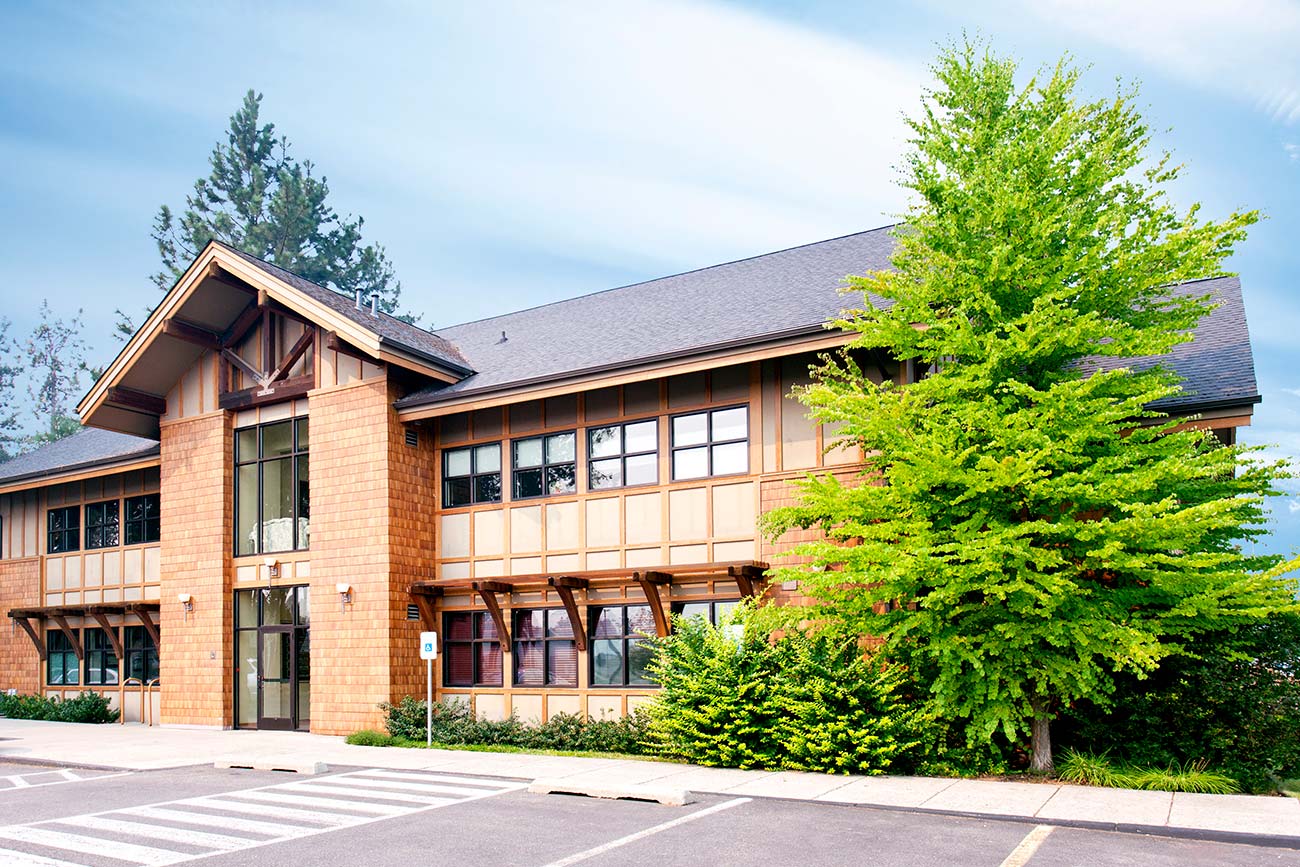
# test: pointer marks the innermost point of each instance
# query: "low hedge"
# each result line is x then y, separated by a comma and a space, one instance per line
89, 707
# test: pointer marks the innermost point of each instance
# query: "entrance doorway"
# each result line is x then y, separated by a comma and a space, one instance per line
273, 658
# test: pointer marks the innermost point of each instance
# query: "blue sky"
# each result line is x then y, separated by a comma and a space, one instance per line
509, 154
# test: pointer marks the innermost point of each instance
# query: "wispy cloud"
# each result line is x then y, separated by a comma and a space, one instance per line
1292, 149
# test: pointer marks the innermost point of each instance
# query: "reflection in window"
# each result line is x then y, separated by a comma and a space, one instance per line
102, 524
714, 612
141, 655
64, 530
620, 645
142, 519
714, 443
545, 466
471, 475
623, 455
272, 497
544, 648
62, 668
471, 649
101, 660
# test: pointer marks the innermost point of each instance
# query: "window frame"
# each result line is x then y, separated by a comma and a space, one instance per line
297, 453
66, 532
545, 640
676, 607
623, 454
477, 618
626, 638
144, 523
101, 524
544, 467
474, 474
709, 443
100, 651
144, 646
63, 652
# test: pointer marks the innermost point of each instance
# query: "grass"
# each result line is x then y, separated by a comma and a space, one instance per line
1099, 770
372, 738
1290, 787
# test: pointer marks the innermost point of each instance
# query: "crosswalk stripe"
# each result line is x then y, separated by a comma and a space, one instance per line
487, 785
92, 845
404, 797
334, 820
399, 785
210, 821
14, 858
204, 839
275, 797
439, 788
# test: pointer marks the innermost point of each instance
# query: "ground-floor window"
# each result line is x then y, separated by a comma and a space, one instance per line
62, 668
101, 659
620, 651
714, 612
545, 651
141, 655
471, 649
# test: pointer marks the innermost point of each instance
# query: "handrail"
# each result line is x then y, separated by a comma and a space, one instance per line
121, 698
153, 682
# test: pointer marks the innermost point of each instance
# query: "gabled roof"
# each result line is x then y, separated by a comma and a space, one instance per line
82, 450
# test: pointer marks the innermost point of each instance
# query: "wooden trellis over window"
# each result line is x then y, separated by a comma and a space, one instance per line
424, 594
487, 591
27, 618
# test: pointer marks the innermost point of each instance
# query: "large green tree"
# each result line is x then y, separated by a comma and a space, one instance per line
55, 361
11, 367
261, 200
1039, 526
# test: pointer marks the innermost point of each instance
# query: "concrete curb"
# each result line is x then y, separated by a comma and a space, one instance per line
665, 795
263, 763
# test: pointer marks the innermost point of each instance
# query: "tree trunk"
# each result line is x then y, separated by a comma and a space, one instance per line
1041, 738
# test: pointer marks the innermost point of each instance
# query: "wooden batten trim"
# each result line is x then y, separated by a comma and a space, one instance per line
26, 625
113, 636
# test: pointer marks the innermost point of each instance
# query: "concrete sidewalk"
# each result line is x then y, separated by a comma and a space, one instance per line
1245, 818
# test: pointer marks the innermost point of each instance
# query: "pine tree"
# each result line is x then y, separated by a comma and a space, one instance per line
55, 361
1039, 525
10, 369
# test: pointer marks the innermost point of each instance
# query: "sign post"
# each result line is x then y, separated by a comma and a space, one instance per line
428, 652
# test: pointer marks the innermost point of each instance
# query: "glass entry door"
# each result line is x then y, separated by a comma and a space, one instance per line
272, 658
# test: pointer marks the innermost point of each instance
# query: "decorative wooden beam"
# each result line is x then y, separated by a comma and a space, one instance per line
487, 591
150, 627
257, 395
248, 369
650, 582
333, 342
134, 399
73, 639
747, 579
240, 327
113, 636
191, 333
295, 353
225, 278
564, 586
267, 336
33, 635
424, 595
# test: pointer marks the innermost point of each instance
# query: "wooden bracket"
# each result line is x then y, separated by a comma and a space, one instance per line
149, 626
650, 582
424, 597
487, 591
73, 638
564, 586
332, 341
113, 635
35, 636
249, 370
747, 579
285, 389
191, 333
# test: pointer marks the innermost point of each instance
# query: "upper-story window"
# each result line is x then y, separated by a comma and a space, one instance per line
103, 529
272, 501
623, 455
471, 475
713, 443
142, 519
64, 532
545, 466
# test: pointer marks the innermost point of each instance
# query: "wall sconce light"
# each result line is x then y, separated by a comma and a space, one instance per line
187, 603
345, 595
272, 569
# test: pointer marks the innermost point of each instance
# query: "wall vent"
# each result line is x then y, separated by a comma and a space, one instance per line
412, 612
412, 437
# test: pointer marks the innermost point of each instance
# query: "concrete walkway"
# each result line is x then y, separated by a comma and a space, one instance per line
1268, 820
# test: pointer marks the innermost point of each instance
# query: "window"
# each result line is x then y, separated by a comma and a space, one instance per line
64, 529
102, 524
272, 502
623, 455
471, 649
620, 647
545, 652
101, 660
141, 655
714, 612
545, 466
714, 443
471, 475
62, 668
142, 519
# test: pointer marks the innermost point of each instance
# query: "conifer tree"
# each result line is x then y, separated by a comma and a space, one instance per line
1040, 526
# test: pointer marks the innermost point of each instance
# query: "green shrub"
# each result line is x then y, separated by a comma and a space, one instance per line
370, 738
1186, 777
1234, 705
794, 701
89, 707
1092, 770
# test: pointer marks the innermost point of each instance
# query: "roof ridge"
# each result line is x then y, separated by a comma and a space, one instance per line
664, 277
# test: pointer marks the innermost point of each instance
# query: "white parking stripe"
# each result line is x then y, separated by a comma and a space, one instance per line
14, 858
167, 834
208, 820
404, 797
54, 778
17, 781
632, 838
279, 797
438, 778
92, 845
394, 785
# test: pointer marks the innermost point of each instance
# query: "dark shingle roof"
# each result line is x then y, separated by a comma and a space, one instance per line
83, 449
740, 301
766, 296
390, 329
